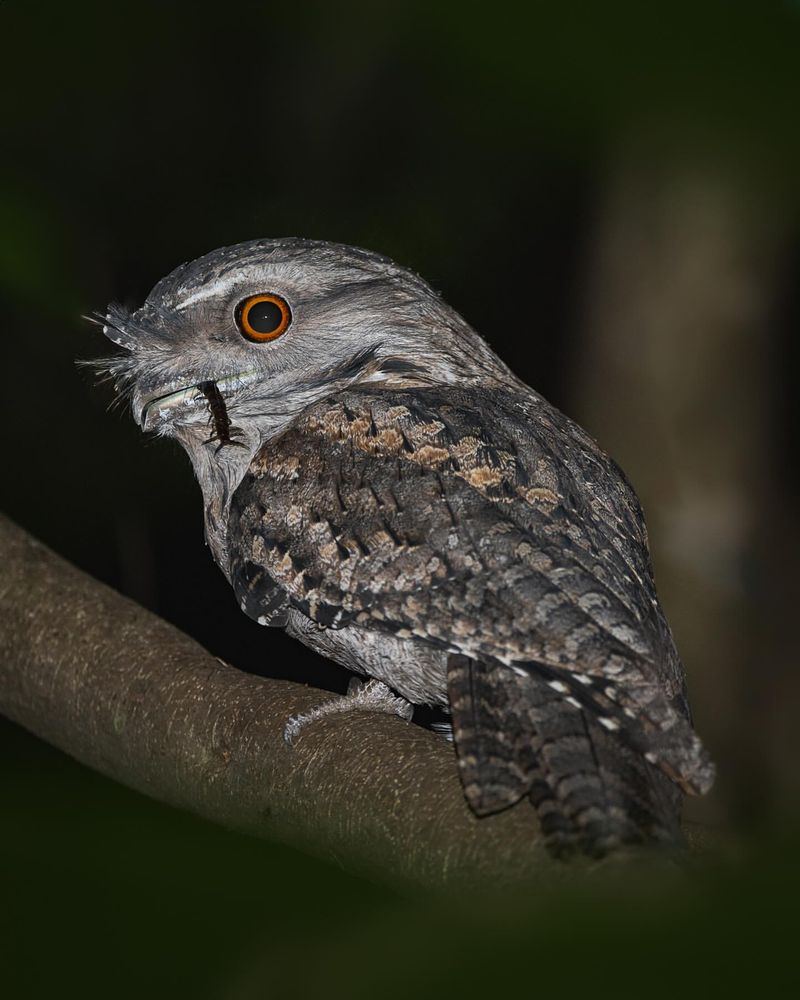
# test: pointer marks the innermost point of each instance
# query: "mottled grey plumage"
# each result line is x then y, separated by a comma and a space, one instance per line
395, 498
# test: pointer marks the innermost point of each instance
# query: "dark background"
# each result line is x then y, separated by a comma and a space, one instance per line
609, 193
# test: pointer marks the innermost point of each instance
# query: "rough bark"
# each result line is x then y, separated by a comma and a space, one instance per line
130, 695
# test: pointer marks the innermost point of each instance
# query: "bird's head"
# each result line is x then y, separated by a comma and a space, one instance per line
236, 343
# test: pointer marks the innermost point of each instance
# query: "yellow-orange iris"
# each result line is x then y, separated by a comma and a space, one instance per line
263, 317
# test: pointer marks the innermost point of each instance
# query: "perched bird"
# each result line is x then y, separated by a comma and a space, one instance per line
377, 482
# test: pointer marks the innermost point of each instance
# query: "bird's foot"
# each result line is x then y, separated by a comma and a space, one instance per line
362, 696
443, 729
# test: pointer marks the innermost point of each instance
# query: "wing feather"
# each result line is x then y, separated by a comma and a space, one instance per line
494, 531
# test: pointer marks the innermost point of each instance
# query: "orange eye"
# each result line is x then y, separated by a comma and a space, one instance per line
263, 317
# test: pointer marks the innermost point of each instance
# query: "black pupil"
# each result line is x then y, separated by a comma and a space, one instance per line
264, 317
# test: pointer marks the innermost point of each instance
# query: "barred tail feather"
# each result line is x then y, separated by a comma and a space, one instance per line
516, 736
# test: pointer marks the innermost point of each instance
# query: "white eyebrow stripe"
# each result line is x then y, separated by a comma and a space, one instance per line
210, 292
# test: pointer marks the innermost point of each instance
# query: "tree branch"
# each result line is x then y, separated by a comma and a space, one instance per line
133, 697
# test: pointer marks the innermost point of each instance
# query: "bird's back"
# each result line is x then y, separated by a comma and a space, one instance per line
492, 528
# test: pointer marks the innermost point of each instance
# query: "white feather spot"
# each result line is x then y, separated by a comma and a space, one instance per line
573, 701
611, 724
558, 686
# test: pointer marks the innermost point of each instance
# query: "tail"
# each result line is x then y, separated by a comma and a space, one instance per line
516, 736
593, 793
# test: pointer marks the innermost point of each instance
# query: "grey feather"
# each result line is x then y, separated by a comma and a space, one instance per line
396, 499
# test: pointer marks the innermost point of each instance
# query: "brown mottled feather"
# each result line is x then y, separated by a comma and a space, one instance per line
497, 531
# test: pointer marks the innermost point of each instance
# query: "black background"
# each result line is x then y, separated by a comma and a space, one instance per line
477, 145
